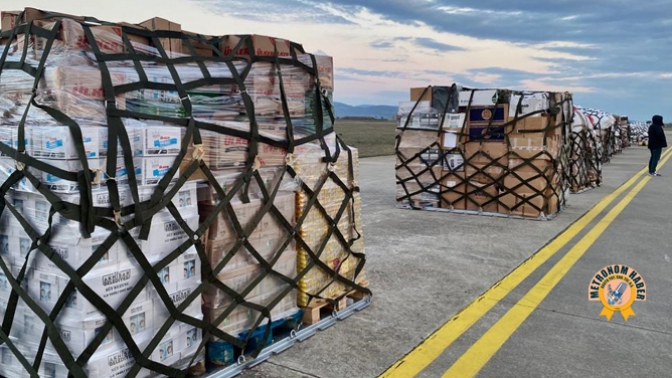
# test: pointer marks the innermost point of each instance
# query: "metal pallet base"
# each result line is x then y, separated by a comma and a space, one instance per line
284, 344
484, 213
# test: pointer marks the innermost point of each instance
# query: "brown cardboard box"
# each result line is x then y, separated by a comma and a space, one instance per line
485, 173
200, 47
31, 14
263, 46
169, 44
529, 145
486, 152
415, 156
540, 173
515, 204
424, 194
454, 192
482, 196
416, 94
8, 20
418, 139
78, 91
325, 68
429, 175
108, 38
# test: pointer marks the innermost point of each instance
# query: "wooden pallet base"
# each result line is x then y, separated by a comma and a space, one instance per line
197, 369
318, 309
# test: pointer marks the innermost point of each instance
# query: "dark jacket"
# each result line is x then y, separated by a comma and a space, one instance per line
656, 134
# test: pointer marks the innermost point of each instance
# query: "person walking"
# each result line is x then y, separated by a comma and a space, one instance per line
657, 142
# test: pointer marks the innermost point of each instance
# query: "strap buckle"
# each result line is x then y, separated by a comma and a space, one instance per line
118, 219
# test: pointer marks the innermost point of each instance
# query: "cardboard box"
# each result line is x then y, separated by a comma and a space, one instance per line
325, 69
165, 236
199, 44
482, 196
108, 38
486, 173
528, 136
8, 20
57, 142
430, 174
421, 94
486, 97
185, 270
418, 139
169, 44
454, 192
486, 153
222, 228
58, 184
263, 46
158, 140
423, 194
523, 204
112, 285
78, 90
530, 103
75, 250
154, 169
425, 121
455, 121
415, 156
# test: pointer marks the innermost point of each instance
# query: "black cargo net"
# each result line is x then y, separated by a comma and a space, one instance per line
515, 181
128, 221
585, 169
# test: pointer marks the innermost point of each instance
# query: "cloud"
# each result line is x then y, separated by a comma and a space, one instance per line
435, 45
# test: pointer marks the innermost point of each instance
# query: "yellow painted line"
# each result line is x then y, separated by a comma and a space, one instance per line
478, 355
432, 347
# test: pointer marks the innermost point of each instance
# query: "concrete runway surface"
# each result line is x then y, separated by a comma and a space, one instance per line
432, 274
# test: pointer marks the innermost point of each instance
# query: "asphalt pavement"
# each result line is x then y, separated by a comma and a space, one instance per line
426, 268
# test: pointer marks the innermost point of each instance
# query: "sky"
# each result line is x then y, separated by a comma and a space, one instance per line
612, 55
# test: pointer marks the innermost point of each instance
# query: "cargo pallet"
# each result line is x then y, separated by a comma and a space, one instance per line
319, 308
295, 336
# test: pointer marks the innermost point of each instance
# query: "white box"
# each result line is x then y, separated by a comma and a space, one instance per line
57, 142
57, 184
168, 350
75, 250
423, 107
531, 103
159, 140
134, 137
26, 139
161, 313
184, 270
186, 199
155, 168
121, 173
7, 167
449, 139
115, 364
481, 98
112, 285
78, 334
165, 236
454, 121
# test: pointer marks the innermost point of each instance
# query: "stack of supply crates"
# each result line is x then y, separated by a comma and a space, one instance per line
484, 151
168, 198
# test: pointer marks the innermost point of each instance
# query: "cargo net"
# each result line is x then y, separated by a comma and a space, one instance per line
639, 133
503, 158
158, 205
585, 163
624, 126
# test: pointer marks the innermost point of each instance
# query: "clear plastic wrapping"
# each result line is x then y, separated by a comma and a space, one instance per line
154, 121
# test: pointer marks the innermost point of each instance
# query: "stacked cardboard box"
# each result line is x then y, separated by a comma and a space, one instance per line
253, 247
494, 151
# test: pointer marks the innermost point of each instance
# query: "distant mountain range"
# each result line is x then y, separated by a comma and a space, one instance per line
374, 111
